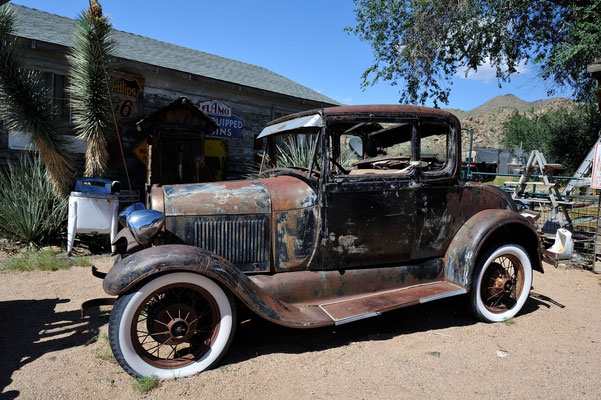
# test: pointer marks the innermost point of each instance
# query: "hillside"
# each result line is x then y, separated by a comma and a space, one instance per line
486, 121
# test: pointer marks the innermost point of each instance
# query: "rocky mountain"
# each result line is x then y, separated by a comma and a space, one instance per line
486, 121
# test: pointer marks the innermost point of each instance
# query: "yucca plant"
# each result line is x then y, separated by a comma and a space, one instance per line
296, 151
26, 106
30, 211
293, 151
91, 67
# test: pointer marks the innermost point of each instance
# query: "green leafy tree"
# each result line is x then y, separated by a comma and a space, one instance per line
563, 135
26, 106
423, 43
91, 68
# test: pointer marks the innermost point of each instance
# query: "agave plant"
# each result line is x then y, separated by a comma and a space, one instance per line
26, 106
30, 212
91, 69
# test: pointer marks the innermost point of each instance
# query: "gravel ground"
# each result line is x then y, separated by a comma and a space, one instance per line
551, 350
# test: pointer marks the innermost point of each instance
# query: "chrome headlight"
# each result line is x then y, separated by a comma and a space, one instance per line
145, 224
128, 210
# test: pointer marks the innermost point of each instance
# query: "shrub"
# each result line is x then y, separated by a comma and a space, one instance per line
564, 135
146, 383
30, 212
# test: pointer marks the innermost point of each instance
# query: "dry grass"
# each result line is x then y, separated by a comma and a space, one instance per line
32, 260
60, 169
97, 155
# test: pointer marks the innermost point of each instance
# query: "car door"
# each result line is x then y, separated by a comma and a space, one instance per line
369, 214
439, 199
369, 221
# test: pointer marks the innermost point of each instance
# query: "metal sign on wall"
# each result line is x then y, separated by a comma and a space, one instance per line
129, 90
230, 126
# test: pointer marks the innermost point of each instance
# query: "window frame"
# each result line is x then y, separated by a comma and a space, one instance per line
334, 137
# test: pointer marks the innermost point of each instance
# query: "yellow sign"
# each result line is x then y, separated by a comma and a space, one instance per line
141, 151
215, 150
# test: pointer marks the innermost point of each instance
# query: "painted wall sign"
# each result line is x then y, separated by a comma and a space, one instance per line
129, 196
129, 90
230, 126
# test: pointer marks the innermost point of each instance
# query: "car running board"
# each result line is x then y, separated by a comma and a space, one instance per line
354, 308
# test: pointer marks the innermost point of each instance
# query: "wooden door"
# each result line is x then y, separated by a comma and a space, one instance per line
178, 157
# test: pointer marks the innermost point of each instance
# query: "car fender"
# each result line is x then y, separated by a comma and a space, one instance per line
483, 231
141, 266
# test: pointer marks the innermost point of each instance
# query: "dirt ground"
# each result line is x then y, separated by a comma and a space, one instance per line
552, 350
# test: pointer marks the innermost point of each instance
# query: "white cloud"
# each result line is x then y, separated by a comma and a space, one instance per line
343, 100
487, 72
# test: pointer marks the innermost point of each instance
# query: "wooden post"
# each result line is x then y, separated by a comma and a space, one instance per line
597, 257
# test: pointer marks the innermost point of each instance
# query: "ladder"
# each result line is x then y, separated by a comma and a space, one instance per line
538, 165
582, 171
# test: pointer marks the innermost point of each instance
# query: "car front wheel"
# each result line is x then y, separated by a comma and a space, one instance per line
501, 283
175, 325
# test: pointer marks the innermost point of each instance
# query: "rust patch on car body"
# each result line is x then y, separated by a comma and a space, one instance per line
230, 197
317, 286
289, 193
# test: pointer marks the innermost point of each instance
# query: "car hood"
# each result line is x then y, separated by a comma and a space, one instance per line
259, 196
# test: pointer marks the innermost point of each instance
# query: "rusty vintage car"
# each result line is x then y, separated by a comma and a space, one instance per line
375, 218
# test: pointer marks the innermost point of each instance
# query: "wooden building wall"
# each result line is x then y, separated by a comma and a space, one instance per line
161, 87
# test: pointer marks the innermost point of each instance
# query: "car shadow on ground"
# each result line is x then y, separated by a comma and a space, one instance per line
32, 328
256, 336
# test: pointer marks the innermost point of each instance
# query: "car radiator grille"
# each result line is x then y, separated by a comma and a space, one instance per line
241, 240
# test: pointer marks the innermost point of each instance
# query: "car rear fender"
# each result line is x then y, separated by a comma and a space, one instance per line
143, 265
486, 230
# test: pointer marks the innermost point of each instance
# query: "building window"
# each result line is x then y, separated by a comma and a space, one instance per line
57, 84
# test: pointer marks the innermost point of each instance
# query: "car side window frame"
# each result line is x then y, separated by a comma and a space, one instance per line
333, 139
453, 151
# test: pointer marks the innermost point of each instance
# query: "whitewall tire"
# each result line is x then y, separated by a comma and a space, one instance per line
174, 325
501, 283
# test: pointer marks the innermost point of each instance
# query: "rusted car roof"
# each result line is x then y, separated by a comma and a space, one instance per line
386, 109
306, 121
381, 109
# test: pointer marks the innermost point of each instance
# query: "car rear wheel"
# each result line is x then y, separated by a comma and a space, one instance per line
501, 283
175, 325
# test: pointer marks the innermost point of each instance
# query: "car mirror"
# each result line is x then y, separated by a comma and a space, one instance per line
356, 146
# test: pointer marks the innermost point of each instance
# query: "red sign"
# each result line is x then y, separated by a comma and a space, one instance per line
596, 177
216, 107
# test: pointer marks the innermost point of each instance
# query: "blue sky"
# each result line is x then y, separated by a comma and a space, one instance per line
302, 40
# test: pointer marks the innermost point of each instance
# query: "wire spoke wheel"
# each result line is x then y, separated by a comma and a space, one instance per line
175, 326
501, 283
503, 280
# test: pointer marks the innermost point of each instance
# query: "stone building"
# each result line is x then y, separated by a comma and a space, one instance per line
152, 74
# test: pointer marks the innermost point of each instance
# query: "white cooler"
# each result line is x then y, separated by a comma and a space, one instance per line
92, 213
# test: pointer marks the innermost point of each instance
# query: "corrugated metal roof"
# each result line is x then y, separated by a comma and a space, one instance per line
43, 26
